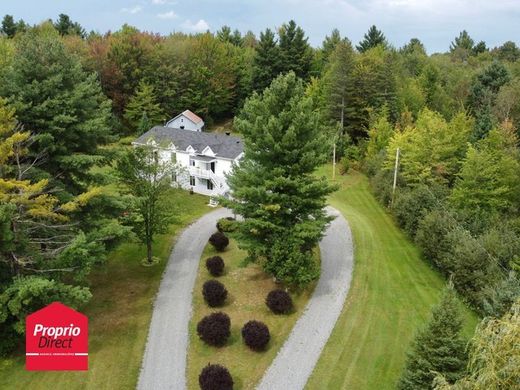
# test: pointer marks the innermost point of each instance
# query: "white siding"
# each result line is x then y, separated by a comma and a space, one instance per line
202, 172
181, 120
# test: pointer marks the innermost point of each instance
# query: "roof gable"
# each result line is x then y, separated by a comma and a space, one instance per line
226, 146
192, 117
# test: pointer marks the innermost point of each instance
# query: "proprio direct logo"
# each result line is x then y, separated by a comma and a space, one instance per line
56, 339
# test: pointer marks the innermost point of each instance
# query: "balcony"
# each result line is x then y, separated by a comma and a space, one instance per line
203, 173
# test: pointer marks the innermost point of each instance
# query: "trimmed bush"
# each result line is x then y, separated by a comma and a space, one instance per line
215, 265
214, 329
228, 224
215, 377
219, 241
214, 293
256, 335
279, 301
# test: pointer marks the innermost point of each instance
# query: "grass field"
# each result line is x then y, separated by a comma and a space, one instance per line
391, 295
119, 316
247, 288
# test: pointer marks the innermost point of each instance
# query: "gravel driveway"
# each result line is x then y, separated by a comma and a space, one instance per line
164, 361
296, 359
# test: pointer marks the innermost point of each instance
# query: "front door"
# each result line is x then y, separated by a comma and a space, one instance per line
212, 167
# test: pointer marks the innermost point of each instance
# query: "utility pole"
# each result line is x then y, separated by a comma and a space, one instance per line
395, 173
334, 148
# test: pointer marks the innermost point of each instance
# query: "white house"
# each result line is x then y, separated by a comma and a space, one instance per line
186, 120
203, 159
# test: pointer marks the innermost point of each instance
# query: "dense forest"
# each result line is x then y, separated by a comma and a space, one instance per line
452, 117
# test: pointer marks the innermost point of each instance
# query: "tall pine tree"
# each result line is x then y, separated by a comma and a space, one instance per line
266, 65
61, 103
338, 84
143, 105
371, 39
274, 187
295, 51
438, 348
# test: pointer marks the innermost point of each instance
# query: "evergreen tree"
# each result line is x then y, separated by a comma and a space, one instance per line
508, 52
329, 44
65, 26
337, 83
224, 34
462, 47
274, 187
414, 46
266, 65
463, 41
438, 348
371, 39
41, 247
8, 26
61, 103
295, 51
483, 93
480, 48
493, 355
143, 105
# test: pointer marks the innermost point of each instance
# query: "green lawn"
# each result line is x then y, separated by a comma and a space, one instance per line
119, 316
247, 288
391, 295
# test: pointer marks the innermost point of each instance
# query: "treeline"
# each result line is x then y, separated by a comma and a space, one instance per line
458, 186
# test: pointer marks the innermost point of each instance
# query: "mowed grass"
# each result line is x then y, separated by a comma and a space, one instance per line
247, 289
391, 295
119, 315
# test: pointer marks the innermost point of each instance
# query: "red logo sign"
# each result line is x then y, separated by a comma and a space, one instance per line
56, 338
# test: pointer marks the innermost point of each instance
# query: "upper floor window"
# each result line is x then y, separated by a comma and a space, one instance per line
192, 163
174, 157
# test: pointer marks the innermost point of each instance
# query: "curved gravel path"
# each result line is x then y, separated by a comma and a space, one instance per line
296, 359
164, 361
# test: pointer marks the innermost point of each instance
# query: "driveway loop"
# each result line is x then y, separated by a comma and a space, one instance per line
164, 360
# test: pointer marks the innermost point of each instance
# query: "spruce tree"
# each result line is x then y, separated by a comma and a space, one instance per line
483, 93
274, 187
295, 51
266, 65
143, 105
371, 39
438, 348
8, 26
337, 83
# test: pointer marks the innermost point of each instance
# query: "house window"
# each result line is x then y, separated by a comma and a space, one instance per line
192, 163
192, 181
156, 156
174, 177
210, 185
174, 157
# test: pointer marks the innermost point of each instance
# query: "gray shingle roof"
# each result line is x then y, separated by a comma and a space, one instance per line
226, 146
